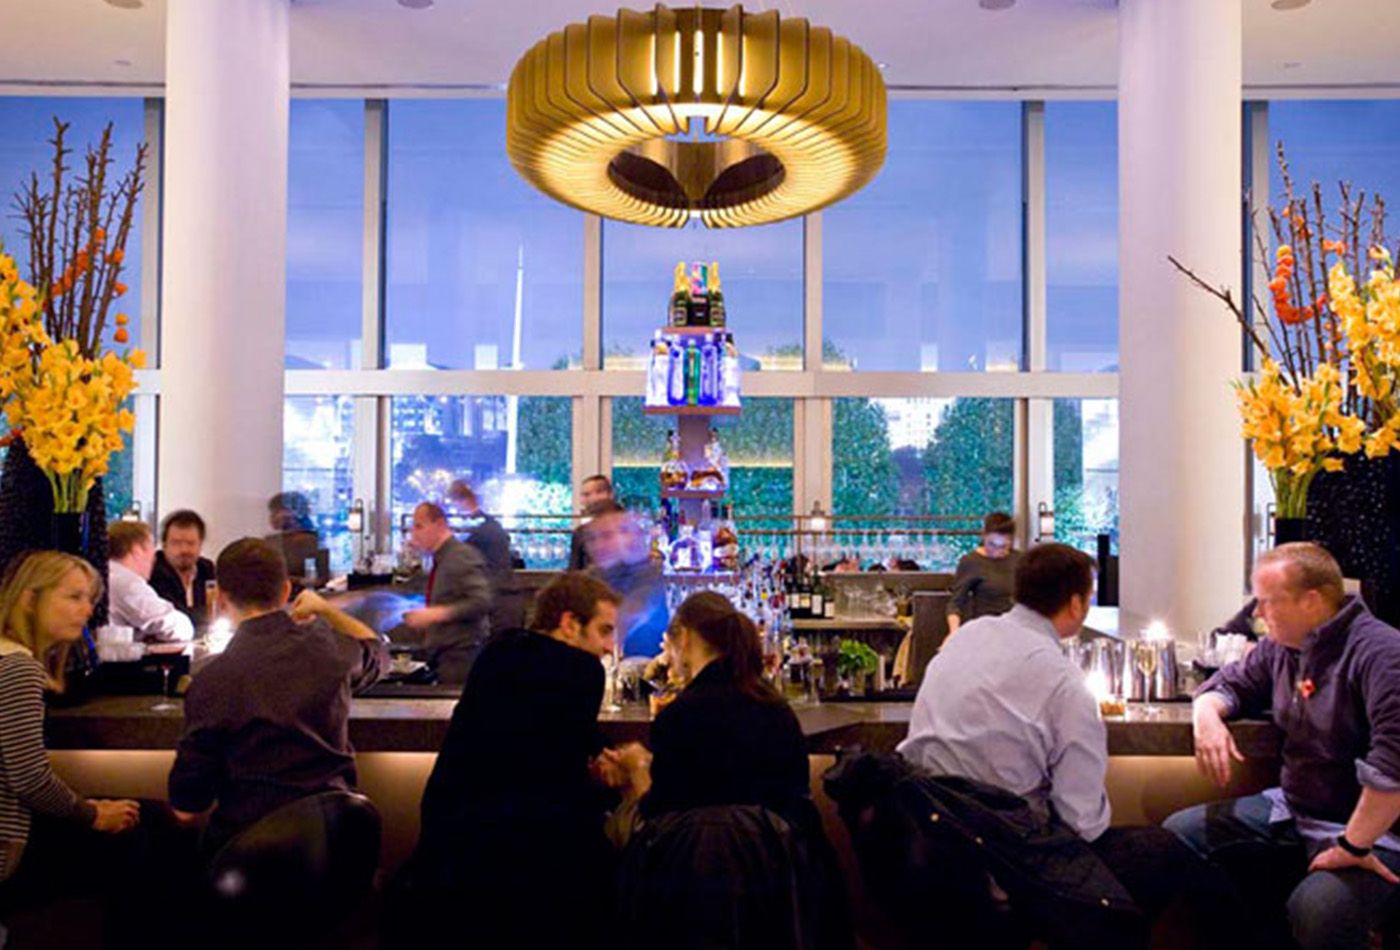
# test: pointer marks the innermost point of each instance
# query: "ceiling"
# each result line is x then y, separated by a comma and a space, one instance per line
1329, 46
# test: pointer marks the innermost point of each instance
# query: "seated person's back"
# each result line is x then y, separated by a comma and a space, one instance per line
512, 820
728, 738
267, 721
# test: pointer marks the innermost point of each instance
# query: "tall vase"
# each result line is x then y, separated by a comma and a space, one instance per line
1287, 530
68, 532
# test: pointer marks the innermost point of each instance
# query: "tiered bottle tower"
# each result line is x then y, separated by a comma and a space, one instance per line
693, 374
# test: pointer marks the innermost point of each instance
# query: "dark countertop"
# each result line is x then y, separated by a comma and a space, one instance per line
418, 725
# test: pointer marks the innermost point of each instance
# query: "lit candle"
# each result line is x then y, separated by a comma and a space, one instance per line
1156, 630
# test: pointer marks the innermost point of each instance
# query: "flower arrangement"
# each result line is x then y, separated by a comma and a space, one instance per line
68, 406
59, 390
1328, 384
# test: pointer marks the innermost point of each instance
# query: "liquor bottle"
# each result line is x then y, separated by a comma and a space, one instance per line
692, 373
685, 553
818, 596
698, 315
709, 373
803, 605
705, 539
726, 551
658, 369
729, 373
680, 297
714, 475
675, 374
714, 295
674, 472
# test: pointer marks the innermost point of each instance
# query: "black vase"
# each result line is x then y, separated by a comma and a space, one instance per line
26, 519
68, 532
1355, 515
1287, 530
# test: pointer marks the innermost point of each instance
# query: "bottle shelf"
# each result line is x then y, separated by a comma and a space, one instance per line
690, 410
699, 494
701, 576
693, 331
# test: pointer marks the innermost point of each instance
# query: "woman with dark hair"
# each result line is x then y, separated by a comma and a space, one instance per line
729, 738
982, 585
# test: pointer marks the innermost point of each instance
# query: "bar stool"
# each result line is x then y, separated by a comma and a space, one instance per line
295, 876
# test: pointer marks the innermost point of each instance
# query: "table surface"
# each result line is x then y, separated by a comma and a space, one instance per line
419, 725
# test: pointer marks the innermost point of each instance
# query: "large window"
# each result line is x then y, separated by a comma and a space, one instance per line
25, 150
484, 272
1086, 471
318, 432
922, 268
325, 228
516, 452
1081, 236
950, 458
1330, 141
760, 272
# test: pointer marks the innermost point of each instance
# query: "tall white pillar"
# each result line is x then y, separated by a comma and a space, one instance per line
1181, 464
223, 285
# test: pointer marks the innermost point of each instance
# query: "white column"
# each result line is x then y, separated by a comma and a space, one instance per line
224, 274
1181, 477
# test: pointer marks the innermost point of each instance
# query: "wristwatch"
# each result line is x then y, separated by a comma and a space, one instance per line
1350, 848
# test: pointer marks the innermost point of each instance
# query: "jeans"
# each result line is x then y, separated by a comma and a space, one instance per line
1269, 865
1160, 873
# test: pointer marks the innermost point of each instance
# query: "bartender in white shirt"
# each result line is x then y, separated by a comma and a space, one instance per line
132, 602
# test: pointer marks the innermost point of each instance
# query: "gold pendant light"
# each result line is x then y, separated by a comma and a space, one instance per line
660, 117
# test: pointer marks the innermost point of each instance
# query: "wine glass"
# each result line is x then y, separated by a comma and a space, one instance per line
1145, 659
165, 705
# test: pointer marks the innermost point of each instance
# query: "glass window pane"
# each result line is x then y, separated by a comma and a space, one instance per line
951, 458
25, 150
325, 229
1081, 236
758, 442
1086, 472
317, 437
516, 451
922, 268
484, 272
1329, 141
760, 273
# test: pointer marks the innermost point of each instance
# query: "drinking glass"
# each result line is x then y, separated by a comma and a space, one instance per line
165, 705
1145, 659
610, 684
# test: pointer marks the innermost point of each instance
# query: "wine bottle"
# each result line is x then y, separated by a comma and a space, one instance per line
818, 596
680, 297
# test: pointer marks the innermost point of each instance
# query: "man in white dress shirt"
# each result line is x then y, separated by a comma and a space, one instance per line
1002, 704
132, 602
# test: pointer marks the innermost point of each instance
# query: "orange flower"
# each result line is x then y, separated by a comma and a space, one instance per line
1335, 247
99, 234
120, 336
119, 288
56, 290
121, 319
1278, 285
116, 255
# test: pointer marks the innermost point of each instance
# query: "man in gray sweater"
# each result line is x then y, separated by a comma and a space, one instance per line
455, 622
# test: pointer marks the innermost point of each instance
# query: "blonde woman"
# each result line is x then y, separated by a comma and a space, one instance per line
45, 600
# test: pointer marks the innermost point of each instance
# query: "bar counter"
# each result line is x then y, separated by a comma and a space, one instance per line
418, 725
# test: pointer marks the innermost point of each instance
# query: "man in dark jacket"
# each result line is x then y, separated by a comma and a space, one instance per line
595, 497
512, 814
267, 721
180, 574
456, 620
493, 543
1324, 845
